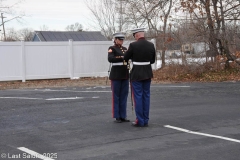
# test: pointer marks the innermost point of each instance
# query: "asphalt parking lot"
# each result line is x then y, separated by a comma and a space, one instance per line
188, 121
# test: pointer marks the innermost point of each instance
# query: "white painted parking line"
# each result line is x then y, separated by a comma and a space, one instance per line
49, 90
53, 99
73, 91
18, 98
171, 86
34, 154
49, 99
202, 134
95, 97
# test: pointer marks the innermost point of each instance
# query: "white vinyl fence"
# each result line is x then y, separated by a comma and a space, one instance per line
49, 60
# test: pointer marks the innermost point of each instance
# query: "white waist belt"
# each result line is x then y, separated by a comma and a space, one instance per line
141, 63
117, 64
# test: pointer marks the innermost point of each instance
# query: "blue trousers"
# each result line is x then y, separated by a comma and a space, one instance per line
119, 98
141, 98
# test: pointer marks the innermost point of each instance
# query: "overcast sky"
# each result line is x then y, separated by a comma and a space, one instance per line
55, 14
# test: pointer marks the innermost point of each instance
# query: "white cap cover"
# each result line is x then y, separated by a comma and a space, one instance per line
119, 35
137, 30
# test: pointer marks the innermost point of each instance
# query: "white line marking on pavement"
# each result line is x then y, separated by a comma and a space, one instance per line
96, 97
33, 153
18, 98
202, 134
48, 99
52, 99
172, 86
49, 90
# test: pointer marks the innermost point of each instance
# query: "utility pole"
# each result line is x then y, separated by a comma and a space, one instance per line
3, 26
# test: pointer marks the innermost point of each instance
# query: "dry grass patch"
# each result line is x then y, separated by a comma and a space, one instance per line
193, 73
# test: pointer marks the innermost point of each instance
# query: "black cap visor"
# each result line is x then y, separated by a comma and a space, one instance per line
120, 38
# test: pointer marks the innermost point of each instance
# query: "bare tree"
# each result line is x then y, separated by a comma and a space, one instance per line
74, 27
140, 13
44, 28
9, 10
217, 13
26, 34
151, 14
108, 15
165, 7
12, 35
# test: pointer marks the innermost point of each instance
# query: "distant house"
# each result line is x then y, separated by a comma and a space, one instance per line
194, 48
50, 36
187, 48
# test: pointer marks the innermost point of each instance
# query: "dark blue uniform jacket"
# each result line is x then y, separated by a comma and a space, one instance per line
141, 51
118, 72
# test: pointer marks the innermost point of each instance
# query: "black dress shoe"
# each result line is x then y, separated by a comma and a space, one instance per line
134, 124
125, 120
118, 120
145, 125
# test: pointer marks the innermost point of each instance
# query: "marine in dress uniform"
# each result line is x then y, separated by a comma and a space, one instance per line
142, 53
119, 76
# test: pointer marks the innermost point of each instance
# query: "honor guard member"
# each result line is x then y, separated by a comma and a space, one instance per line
142, 53
119, 76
